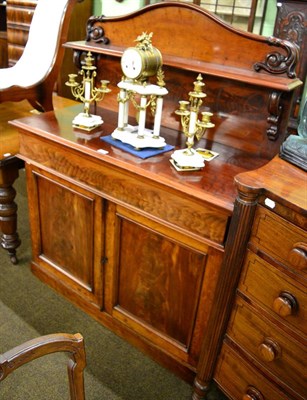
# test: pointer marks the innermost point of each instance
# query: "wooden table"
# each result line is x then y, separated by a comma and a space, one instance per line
9, 169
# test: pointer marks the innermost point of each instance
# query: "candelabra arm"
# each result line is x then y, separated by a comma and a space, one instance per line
185, 123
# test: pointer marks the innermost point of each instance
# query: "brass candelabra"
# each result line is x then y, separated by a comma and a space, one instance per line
87, 93
193, 127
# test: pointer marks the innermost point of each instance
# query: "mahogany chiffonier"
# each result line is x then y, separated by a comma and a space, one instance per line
151, 252
265, 347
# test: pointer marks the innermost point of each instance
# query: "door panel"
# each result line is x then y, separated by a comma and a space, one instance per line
155, 282
67, 236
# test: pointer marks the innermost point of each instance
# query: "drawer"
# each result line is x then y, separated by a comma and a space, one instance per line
280, 239
274, 350
19, 16
238, 379
17, 37
280, 294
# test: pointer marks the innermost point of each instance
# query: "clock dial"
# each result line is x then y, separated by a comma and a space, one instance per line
131, 63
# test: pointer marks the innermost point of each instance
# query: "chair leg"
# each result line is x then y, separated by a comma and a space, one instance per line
9, 239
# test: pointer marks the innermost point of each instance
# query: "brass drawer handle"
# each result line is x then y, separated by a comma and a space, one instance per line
298, 255
269, 350
285, 304
252, 394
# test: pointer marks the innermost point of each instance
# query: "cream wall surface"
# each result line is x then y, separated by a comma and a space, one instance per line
112, 7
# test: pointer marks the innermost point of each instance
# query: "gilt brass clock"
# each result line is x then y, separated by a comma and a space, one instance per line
138, 64
142, 61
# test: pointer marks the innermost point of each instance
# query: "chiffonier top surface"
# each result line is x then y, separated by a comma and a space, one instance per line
215, 183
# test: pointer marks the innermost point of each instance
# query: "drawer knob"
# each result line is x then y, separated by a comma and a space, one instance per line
298, 256
285, 304
252, 394
269, 350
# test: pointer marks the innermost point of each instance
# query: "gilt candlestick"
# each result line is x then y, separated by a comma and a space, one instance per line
87, 93
193, 128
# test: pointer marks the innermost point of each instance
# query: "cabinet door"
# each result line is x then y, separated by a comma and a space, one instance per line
66, 225
156, 282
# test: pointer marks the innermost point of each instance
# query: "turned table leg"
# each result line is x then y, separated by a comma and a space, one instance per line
9, 238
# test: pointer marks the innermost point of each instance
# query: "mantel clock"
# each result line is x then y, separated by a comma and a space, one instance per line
138, 64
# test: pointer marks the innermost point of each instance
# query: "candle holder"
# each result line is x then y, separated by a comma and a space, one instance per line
138, 64
87, 93
193, 128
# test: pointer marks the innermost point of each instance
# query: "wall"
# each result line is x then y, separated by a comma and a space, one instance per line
112, 7
269, 20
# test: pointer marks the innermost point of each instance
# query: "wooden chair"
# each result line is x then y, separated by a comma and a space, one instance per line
32, 78
44, 345
34, 75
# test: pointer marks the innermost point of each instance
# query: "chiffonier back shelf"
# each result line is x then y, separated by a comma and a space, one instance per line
249, 78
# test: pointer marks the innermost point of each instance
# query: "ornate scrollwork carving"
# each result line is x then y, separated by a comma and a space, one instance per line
275, 110
94, 32
278, 63
291, 26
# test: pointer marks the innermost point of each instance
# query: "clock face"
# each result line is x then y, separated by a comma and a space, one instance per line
131, 63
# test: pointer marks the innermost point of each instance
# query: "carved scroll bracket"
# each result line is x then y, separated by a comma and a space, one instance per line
275, 110
278, 63
94, 32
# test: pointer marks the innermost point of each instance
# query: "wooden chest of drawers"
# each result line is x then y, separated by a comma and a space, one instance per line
3, 36
264, 351
19, 16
